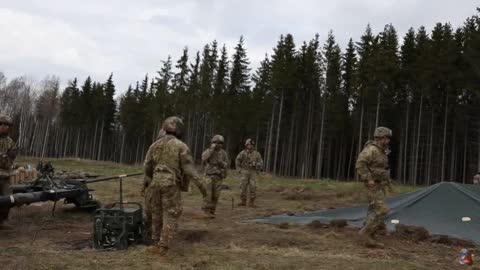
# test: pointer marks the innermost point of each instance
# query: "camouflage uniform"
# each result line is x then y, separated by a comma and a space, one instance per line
372, 164
8, 153
168, 169
216, 164
248, 162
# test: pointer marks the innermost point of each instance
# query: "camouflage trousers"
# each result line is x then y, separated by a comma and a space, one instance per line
163, 207
212, 184
4, 190
248, 185
377, 211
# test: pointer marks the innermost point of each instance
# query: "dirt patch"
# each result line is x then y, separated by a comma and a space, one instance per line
450, 241
284, 226
79, 244
338, 223
414, 233
193, 236
317, 224
299, 194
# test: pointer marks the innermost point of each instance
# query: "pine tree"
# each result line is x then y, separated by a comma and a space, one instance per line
110, 104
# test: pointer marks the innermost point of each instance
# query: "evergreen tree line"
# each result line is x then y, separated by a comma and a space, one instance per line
310, 107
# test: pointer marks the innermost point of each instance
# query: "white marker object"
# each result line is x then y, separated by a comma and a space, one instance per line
466, 219
395, 221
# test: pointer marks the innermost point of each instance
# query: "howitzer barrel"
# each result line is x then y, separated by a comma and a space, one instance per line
19, 199
101, 179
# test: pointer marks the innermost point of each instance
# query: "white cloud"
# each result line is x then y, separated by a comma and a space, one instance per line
130, 38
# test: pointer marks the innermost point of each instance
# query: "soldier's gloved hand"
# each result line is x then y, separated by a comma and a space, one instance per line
213, 145
371, 183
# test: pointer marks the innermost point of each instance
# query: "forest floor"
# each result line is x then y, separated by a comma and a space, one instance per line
40, 241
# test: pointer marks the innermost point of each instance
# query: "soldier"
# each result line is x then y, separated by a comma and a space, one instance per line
373, 169
8, 153
248, 162
168, 169
215, 161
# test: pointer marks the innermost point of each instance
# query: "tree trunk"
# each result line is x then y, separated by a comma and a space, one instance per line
419, 129
444, 145
320, 141
278, 133
270, 136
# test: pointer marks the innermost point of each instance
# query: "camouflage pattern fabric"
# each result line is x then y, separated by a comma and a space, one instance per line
248, 185
168, 164
216, 164
372, 165
163, 209
213, 185
377, 211
248, 162
8, 153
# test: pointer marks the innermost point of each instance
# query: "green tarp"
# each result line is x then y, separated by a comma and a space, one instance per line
439, 208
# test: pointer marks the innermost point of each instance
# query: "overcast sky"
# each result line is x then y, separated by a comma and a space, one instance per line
73, 38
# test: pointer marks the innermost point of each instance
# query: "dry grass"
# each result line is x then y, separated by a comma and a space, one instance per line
40, 241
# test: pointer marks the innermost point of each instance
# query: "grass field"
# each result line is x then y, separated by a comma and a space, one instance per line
40, 241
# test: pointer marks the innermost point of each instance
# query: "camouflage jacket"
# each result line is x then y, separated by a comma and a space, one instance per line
169, 162
215, 162
372, 164
249, 160
8, 153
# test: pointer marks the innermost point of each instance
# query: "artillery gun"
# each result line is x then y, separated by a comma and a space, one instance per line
114, 227
49, 188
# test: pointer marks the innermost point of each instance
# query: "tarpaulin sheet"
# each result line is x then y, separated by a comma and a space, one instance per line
439, 208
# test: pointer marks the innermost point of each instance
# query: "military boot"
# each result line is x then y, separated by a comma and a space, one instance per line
367, 240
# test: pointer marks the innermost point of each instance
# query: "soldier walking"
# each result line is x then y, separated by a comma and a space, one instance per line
373, 169
8, 153
215, 161
248, 163
169, 167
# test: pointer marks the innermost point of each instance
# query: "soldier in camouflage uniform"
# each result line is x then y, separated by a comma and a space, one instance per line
8, 153
248, 162
373, 169
168, 169
215, 161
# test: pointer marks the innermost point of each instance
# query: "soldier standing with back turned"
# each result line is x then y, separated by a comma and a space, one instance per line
8, 153
169, 167
215, 161
373, 169
248, 163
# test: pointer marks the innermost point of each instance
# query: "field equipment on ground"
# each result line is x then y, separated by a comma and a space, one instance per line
49, 188
118, 226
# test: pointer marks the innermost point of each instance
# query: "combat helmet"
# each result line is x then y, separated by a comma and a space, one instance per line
218, 139
5, 119
249, 141
381, 132
173, 125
